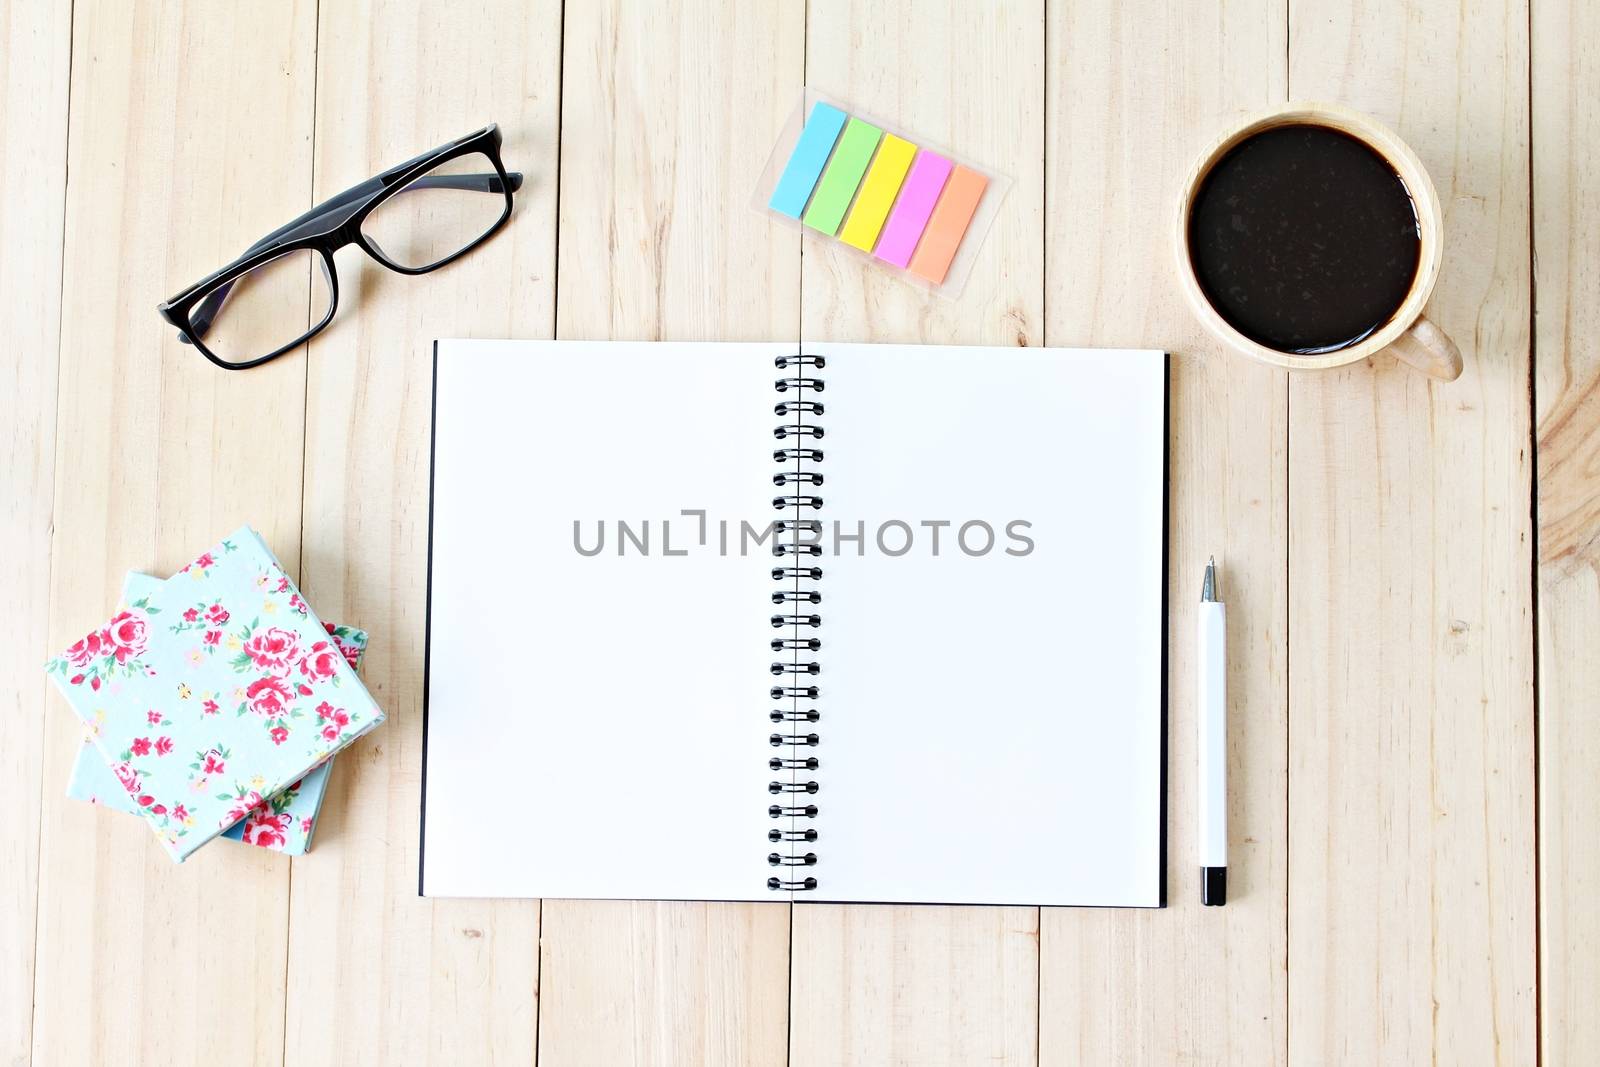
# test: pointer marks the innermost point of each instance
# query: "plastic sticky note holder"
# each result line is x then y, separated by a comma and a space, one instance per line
880, 193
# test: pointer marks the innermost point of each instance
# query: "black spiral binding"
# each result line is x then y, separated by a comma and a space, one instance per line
797, 540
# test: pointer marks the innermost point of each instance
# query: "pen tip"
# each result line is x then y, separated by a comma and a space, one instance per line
1208, 588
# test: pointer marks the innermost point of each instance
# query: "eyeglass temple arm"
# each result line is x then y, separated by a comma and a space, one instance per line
328, 214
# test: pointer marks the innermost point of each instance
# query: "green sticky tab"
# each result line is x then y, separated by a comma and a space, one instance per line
838, 185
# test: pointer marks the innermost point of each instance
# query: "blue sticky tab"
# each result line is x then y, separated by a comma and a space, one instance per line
805, 164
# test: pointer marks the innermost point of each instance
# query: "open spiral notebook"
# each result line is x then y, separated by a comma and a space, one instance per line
833, 622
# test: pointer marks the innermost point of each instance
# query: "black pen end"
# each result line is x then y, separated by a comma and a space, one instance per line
1213, 886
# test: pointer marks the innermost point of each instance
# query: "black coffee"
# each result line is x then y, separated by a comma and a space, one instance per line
1303, 239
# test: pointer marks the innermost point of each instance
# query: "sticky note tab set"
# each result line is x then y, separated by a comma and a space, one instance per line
887, 195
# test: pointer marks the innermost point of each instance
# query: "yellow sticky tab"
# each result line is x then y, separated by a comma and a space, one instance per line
878, 192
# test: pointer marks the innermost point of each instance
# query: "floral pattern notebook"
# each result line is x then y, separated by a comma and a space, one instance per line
283, 822
282, 701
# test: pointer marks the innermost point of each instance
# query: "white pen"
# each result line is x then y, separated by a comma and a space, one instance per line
1211, 714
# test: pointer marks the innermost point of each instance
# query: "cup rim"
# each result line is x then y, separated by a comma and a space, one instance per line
1381, 139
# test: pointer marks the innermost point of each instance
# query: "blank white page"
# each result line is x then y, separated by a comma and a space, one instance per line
596, 726
991, 724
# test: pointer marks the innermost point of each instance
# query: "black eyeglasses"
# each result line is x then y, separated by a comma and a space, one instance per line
412, 218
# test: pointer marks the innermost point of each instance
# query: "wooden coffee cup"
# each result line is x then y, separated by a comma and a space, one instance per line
1407, 335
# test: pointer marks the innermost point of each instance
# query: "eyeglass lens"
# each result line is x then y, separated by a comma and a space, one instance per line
438, 213
432, 217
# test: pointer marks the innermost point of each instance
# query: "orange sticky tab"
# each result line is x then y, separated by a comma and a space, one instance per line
948, 224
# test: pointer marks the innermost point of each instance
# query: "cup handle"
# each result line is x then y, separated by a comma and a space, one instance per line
1428, 349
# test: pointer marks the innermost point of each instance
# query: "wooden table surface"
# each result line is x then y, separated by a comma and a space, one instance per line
1412, 567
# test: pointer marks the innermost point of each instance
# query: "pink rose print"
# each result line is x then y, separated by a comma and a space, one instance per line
163, 746
336, 719
88, 650
328, 626
145, 800
129, 631
140, 746
295, 602
305, 825
321, 662
349, 650
205, 561
208, 706
159, 809
127, 776
213, 764
80, 655
279, 735
268, 696
96, 655
243, 805
267, 830
275, 651
154, 717
210, 619
180, 813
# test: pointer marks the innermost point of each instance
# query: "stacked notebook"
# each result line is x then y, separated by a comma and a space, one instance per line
213, 702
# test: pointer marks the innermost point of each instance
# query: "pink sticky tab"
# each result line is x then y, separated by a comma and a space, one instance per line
917, 197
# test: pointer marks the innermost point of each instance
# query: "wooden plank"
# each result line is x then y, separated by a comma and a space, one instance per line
1566, 239
663, 982
666, 114
189, 139
1190, 984
929, 984
1411, 875
37, 42
914, 984
378, 974
667, 120
963, 77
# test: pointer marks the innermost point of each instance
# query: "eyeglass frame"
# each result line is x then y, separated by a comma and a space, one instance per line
332, 225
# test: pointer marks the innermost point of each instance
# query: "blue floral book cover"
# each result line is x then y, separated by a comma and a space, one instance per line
201, 730
285, 821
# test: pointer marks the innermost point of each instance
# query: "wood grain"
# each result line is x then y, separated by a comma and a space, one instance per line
380, 975
914, 984
1411, 879
1374, 529
652, 982
664, 120
928, 985
37, 42
920, 65
1190, 984
661, 108
1566, 240
187, 142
